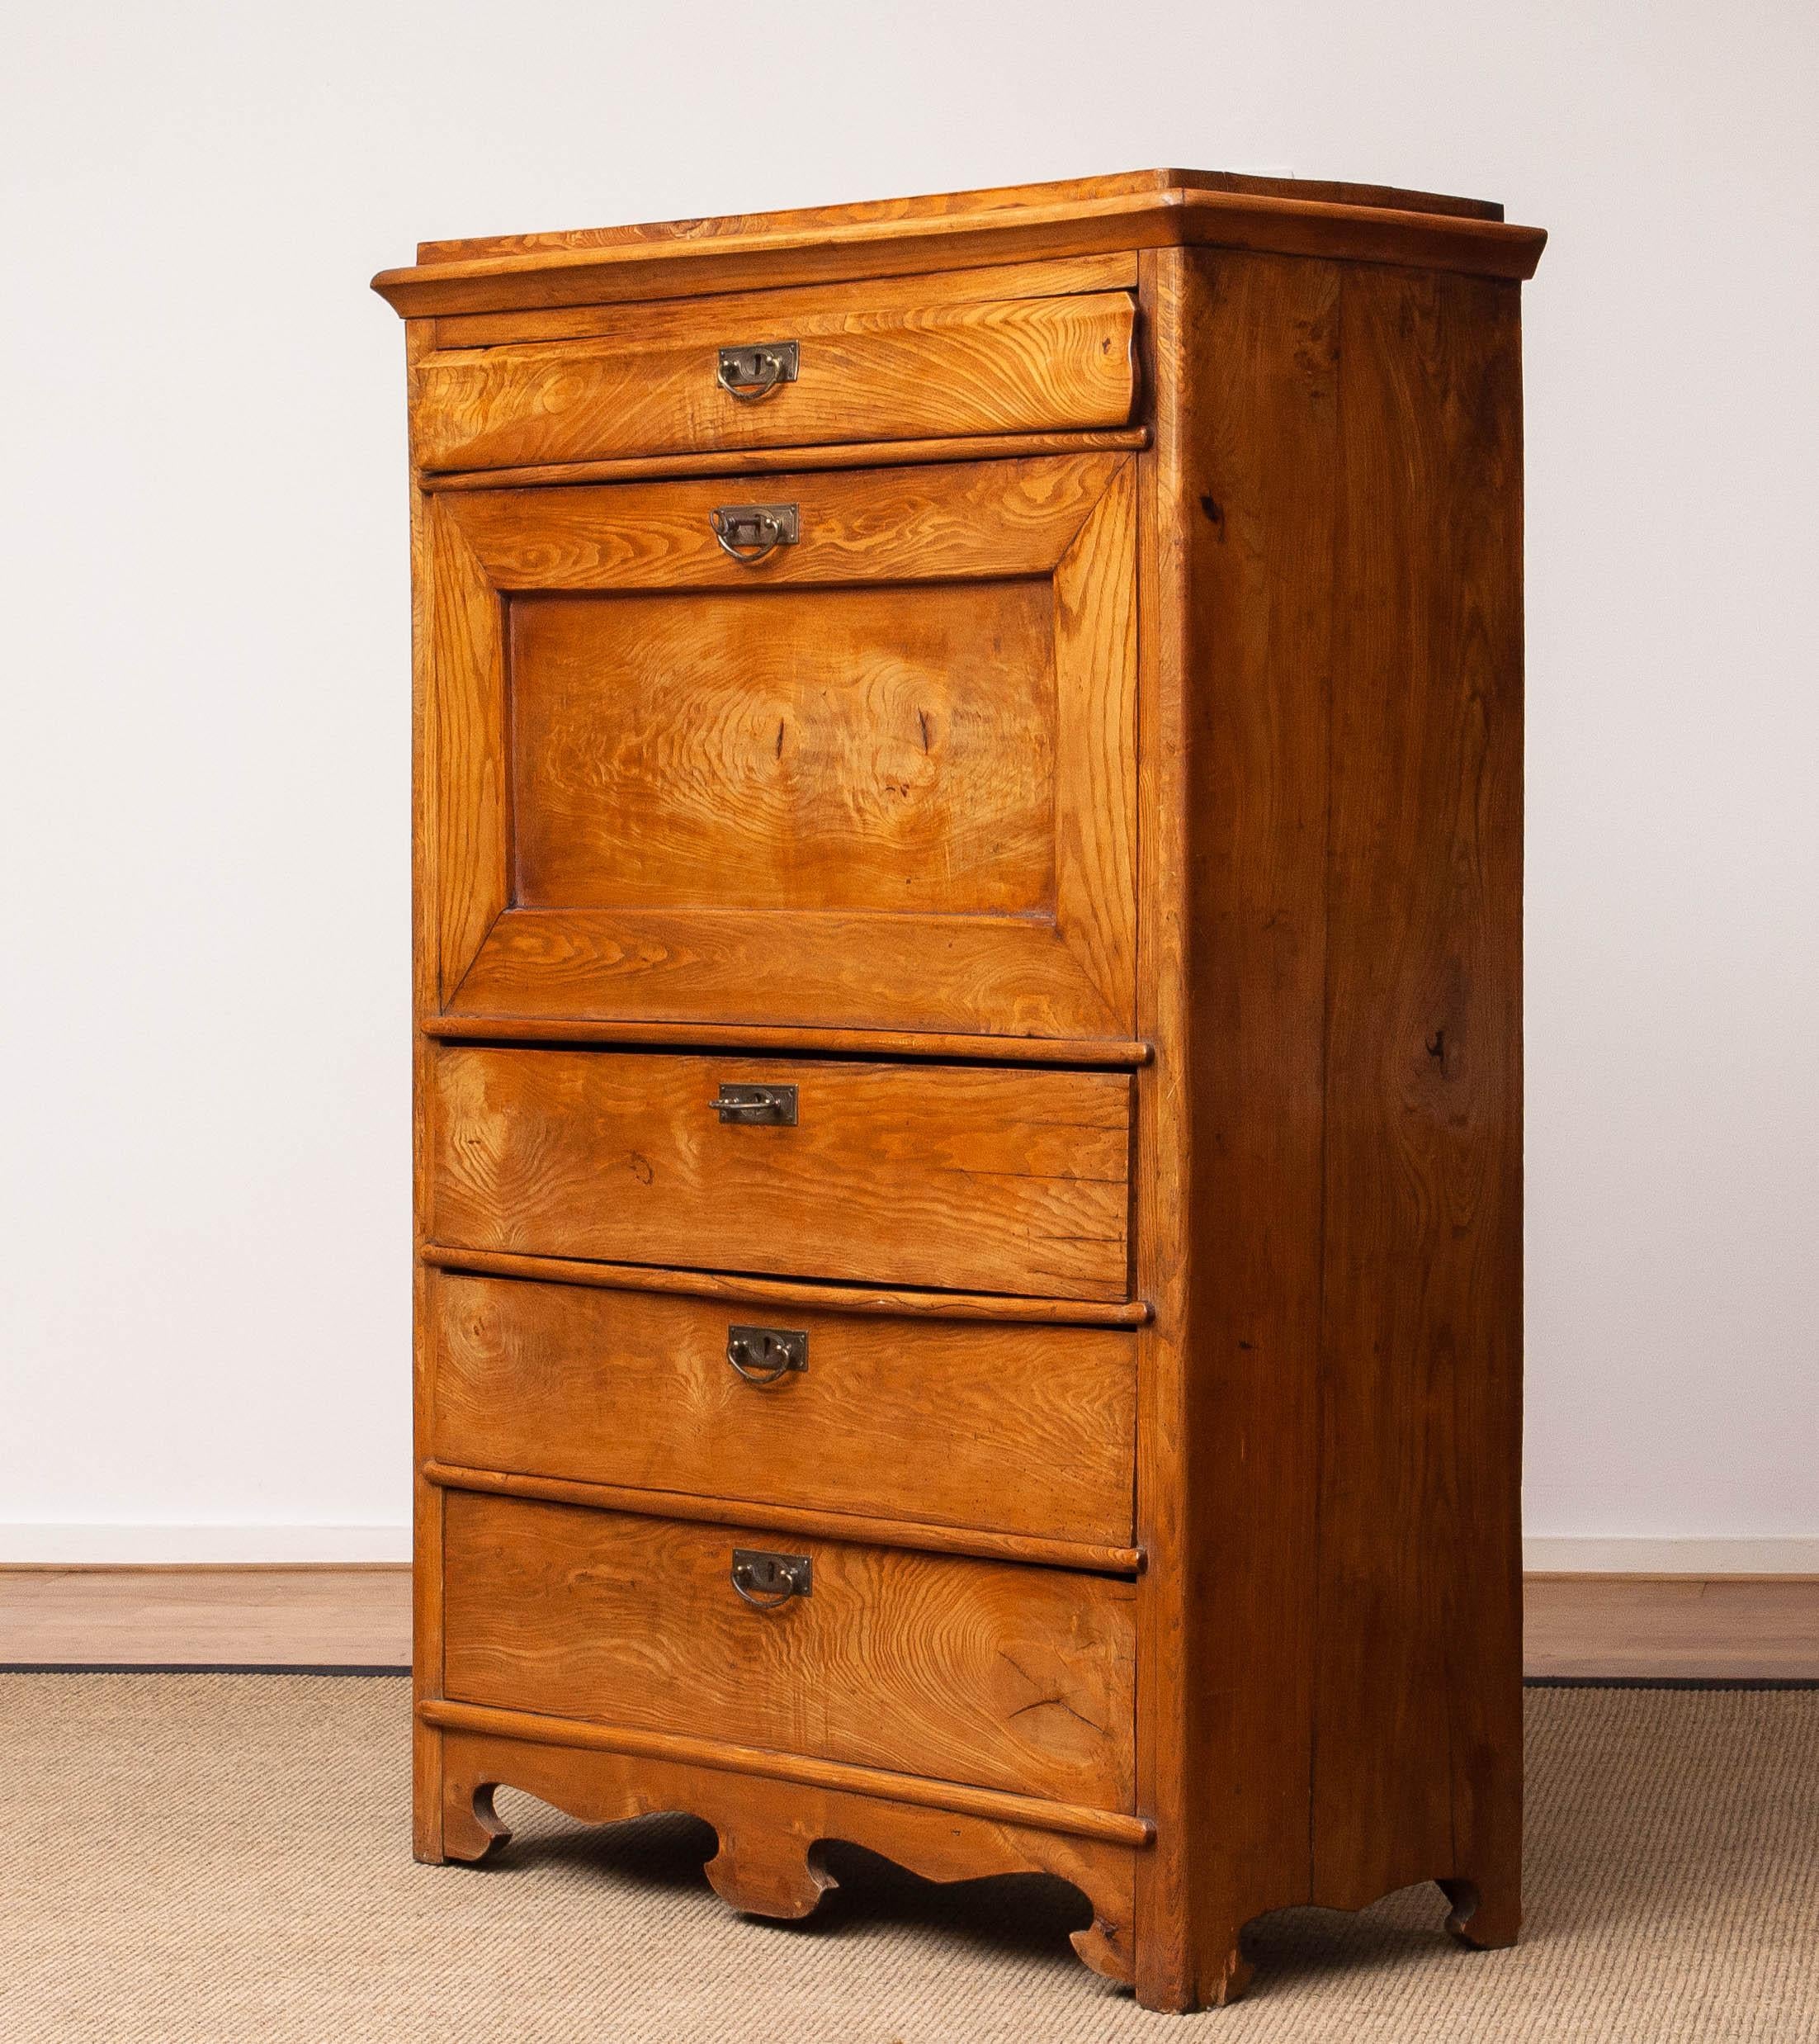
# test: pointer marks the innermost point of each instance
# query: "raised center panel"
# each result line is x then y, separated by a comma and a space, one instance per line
853, 749
881, 776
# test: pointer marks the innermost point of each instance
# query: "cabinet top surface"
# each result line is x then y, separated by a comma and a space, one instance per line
1135, 209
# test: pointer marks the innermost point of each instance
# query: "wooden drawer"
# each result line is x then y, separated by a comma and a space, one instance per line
987, 1672
954, 1177
884, 779
864, 371
1016, 1429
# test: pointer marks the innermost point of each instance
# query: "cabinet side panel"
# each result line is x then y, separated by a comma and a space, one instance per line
1418, 1721
1245, 468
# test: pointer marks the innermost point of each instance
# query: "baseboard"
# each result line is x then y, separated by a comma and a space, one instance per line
1551, 1556
205, 1547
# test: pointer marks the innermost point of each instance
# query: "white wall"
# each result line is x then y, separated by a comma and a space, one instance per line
203, 1170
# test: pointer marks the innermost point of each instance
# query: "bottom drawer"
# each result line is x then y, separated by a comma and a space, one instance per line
988, 1672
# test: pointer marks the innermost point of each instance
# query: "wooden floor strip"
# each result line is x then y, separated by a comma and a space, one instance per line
1627, 1628
1726, 1629
324, 1617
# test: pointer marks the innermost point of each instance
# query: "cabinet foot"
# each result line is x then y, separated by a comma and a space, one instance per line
1486, 1914
471, 1828
1105, 1945
762, 1872
1232, 1982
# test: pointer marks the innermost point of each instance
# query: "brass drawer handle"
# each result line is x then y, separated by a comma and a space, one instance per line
767, 1582
766, 1355
772, 1106
751, 373
748, 531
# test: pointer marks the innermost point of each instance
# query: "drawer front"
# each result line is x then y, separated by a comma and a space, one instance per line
1000, 1676
1023, 365
954, 1177
883, 777
1013, 1429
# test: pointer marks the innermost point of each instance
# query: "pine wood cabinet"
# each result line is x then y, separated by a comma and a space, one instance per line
968, 814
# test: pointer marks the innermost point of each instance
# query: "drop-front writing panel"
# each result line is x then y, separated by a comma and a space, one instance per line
882, 776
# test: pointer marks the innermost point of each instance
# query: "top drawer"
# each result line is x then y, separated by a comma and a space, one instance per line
689, 379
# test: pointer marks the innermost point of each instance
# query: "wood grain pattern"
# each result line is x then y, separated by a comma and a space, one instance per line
784, 1292
992, 446
1199, 220
1012, 1678
974, 1179
461, 766
1166, 1886
1419, 1751
1026, 223
854, 749
1095, 752
1180, 776
1030, 365
1244, 480
757, 1819
1333, 515
948, 206
1003, 975
947, 523
925, 1537
755, 745
974, 1425
903, 1791
765, 312
432, 939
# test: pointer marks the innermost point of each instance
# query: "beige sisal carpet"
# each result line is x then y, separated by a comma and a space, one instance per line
226, 1857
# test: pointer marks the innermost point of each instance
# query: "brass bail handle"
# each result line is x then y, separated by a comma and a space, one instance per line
772, 1106
765, 1356
753, 373
749, 531
766, 1581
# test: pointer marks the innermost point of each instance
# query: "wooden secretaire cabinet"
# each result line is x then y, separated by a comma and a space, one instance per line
968, 910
